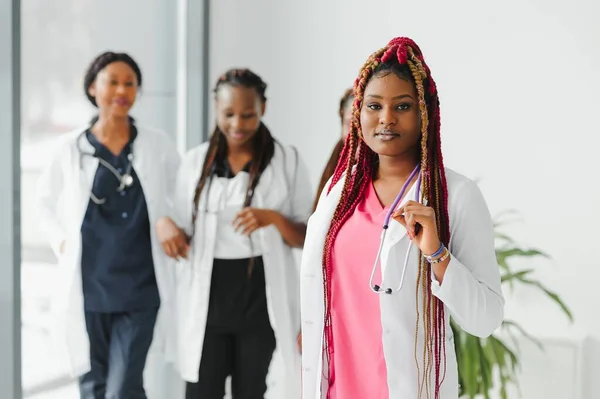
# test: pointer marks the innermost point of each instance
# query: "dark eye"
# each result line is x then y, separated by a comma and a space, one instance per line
248, 116
229, 115
129, 84
404, 107
114, 82
374, 107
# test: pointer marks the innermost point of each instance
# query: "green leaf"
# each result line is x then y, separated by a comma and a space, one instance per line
516, 276
519, 252
505, 238
507, 324
552, 296
478, 359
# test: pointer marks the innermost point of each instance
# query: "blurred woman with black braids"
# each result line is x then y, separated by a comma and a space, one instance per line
99, 201
345, 113
243, 199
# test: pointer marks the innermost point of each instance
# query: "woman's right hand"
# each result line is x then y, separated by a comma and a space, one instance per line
173, 239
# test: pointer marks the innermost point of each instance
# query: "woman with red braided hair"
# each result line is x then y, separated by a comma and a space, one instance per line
382, 272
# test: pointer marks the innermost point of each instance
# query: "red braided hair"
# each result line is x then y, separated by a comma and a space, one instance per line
403, 57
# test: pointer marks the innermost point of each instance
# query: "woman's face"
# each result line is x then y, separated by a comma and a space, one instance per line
389, 116
239, 111
115, 89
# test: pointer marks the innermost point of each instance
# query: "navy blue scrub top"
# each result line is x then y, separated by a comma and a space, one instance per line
117, 265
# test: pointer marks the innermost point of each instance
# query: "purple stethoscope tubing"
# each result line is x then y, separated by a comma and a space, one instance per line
378, 288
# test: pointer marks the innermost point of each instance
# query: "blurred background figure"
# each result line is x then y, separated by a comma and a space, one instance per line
98, 202
345, 112
243, 200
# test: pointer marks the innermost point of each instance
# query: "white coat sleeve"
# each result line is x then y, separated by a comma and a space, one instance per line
172, 162
186, 180
302, 193
49, 190
471, 288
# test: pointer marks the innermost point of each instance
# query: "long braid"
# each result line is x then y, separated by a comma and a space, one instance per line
404, 57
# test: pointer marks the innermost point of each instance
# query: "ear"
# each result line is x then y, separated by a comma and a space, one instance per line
92, 90
263, 108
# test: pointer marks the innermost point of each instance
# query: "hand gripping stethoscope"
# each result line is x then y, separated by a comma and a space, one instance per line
125, 179
378, 288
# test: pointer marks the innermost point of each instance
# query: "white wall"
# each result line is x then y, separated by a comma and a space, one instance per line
518, 82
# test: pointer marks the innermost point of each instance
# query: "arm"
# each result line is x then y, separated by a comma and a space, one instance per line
292, 224
471, 286
172, 162
293, 228
49, 189
174, 228
293, 233
467, 279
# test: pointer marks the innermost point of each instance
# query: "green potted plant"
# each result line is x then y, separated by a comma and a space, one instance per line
480, 359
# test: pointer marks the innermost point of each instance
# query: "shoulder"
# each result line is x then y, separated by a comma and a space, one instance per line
463, 194
459, 184
68, 141
195, 155
154, 135
285, 152
456, 181
286, 158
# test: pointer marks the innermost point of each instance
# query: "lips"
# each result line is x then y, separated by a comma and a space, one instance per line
386, 132
238, 135
121, 102
386, 135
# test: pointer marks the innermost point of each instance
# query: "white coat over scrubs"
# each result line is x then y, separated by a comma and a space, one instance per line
284, 186
62, 199
470, 291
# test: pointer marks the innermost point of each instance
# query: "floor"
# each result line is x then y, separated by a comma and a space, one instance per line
41, 379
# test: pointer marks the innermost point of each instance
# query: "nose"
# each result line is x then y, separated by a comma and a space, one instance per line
235, 122
121, 89
387, 116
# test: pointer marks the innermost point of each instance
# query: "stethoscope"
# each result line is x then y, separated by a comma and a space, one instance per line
378, 288
125, 179
289, 182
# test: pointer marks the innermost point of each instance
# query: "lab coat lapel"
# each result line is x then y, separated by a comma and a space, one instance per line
265, 181
141, 164
88, 164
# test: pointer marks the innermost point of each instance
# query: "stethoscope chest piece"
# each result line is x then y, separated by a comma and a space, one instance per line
127, 180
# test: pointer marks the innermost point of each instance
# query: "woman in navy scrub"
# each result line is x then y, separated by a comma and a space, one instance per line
113, 178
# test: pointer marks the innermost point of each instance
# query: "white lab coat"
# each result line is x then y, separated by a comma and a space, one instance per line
470, 291
62, 199
284, 186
